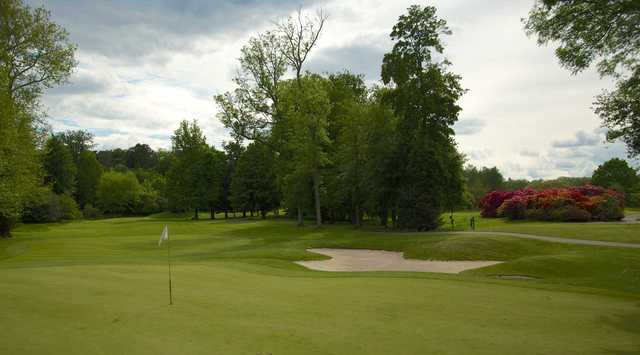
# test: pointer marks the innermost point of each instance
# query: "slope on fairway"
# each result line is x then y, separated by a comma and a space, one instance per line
101, 287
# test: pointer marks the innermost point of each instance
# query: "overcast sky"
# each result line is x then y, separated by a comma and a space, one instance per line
145, 65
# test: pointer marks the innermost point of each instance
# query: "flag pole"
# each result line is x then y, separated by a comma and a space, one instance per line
169, 263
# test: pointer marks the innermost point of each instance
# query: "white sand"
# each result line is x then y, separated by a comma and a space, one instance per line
380, 260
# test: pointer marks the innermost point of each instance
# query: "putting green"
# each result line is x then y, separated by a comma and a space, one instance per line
101, 287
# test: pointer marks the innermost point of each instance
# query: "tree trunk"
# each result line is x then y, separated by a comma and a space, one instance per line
244, 213
300, 220
5, 228
196, 217
251, 213
226, 214
213, 212
264, 214
357, 216
394, 218
316, 195
384, 216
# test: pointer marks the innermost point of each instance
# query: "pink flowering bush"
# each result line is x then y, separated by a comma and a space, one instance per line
576, 204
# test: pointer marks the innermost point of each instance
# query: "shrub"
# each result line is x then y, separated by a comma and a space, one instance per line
607, 209
537, 214
570, 214
568, 204
513, 208
91, 212
492, 201
45, 206
118, 193
69, 208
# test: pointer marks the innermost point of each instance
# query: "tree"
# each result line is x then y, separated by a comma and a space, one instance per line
59, 167
35, 54
141, 156
213, 168
481, 181
254, 185
185, 181
383, 169
118, 193
112, 158
89, 172
605, 32
77, 141
233, 152
306, 106
617, 174
424, 97
253, 110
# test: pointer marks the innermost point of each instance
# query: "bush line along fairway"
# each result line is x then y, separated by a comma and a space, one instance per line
101, 285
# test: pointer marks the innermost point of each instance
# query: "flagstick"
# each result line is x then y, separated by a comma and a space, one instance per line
169, 263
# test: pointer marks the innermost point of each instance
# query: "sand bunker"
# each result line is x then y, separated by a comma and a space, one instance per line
380, 260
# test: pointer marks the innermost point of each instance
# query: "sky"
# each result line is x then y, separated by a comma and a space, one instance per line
143, 66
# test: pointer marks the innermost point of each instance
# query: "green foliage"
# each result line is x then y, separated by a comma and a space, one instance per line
89, 171
424, 97
118, 193
111, 159
605, 32
42, 206
214, 166
45, 206
141, 156
253, 186
91, 212
186, 185
481, 181
616, 174
35, 54
77, 142
59, 167
68, 207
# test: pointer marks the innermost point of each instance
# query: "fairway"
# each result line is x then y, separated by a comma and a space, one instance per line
101, 287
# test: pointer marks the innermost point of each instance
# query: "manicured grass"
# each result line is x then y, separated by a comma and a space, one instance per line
614, 232
100, 287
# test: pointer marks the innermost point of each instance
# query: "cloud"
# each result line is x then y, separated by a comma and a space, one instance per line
362, 55
581, 139
529, 153
153, 30
468, 126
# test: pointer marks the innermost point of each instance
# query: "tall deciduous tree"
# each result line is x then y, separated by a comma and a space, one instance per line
35, 53
253, 110
60, 171
254, 185
424, 97
616, 173
605, 32
306, 108
89, 172
77, 141
185, 181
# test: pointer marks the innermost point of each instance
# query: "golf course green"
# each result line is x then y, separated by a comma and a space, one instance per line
100, 287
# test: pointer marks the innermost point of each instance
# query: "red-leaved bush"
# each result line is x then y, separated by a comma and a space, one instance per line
575, 204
